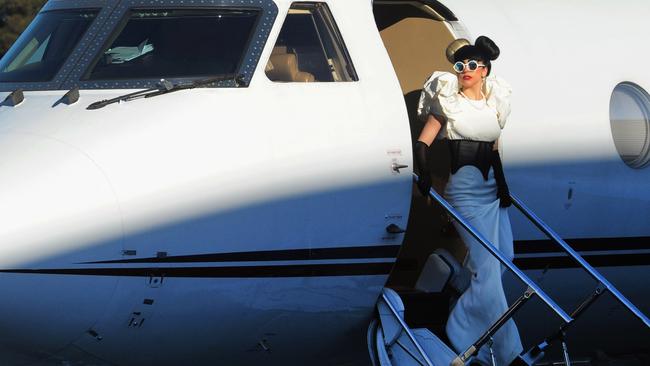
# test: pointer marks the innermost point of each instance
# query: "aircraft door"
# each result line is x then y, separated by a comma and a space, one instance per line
415, 34
347, 125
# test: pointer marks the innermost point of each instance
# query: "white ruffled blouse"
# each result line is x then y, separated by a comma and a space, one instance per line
462, 118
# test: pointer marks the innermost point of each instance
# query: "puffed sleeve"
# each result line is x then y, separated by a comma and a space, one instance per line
439, 96
498, 93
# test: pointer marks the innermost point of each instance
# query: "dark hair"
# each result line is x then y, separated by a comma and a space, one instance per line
484, 49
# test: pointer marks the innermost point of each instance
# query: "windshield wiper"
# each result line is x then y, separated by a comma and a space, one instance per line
164, 87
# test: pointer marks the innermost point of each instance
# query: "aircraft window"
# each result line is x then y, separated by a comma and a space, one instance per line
310, 48
629, 114
40, 51
176, 43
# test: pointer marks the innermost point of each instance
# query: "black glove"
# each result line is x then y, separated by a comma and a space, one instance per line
424, 182
503, 193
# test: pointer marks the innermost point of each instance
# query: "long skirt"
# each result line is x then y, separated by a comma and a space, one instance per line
484, 301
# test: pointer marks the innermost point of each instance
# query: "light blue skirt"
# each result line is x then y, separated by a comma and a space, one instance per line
484, 301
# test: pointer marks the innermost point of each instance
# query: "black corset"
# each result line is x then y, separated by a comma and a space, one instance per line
468, 152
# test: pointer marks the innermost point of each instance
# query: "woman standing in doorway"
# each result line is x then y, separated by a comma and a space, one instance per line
470, 109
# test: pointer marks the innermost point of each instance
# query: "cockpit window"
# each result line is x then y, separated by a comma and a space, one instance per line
176, 43
41, 50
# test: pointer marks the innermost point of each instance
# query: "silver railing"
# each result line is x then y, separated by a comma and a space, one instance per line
531, 290
535, 352
573, 254
408, 332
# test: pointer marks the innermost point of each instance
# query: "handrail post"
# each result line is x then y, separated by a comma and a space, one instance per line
572, 253
487, 335
537, 352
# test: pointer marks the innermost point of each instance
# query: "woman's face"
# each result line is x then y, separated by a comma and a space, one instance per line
468, 79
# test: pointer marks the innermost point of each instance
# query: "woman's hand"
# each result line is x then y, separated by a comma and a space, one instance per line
421, 151
503, 193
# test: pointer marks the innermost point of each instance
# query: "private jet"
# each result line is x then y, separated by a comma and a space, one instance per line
230, 182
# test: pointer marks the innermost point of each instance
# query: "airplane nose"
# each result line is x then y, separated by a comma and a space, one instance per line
56, 205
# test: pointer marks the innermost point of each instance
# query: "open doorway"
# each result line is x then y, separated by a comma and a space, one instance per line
416, 35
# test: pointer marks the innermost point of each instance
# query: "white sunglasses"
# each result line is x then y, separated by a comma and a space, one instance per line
471, 65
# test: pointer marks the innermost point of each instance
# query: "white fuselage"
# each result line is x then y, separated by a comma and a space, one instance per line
274, 167
240, 226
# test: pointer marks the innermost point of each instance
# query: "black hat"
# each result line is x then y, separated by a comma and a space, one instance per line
484, 50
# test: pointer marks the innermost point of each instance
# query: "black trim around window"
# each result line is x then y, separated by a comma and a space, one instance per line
113, 12
104, 7
267, 14
186, 70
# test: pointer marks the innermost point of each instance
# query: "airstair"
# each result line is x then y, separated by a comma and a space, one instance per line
392, 343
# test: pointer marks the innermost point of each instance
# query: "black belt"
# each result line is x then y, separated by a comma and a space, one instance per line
468, 152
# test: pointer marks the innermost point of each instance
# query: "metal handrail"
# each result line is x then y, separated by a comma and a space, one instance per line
573, 254
406, 329
486, 337
496, 253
